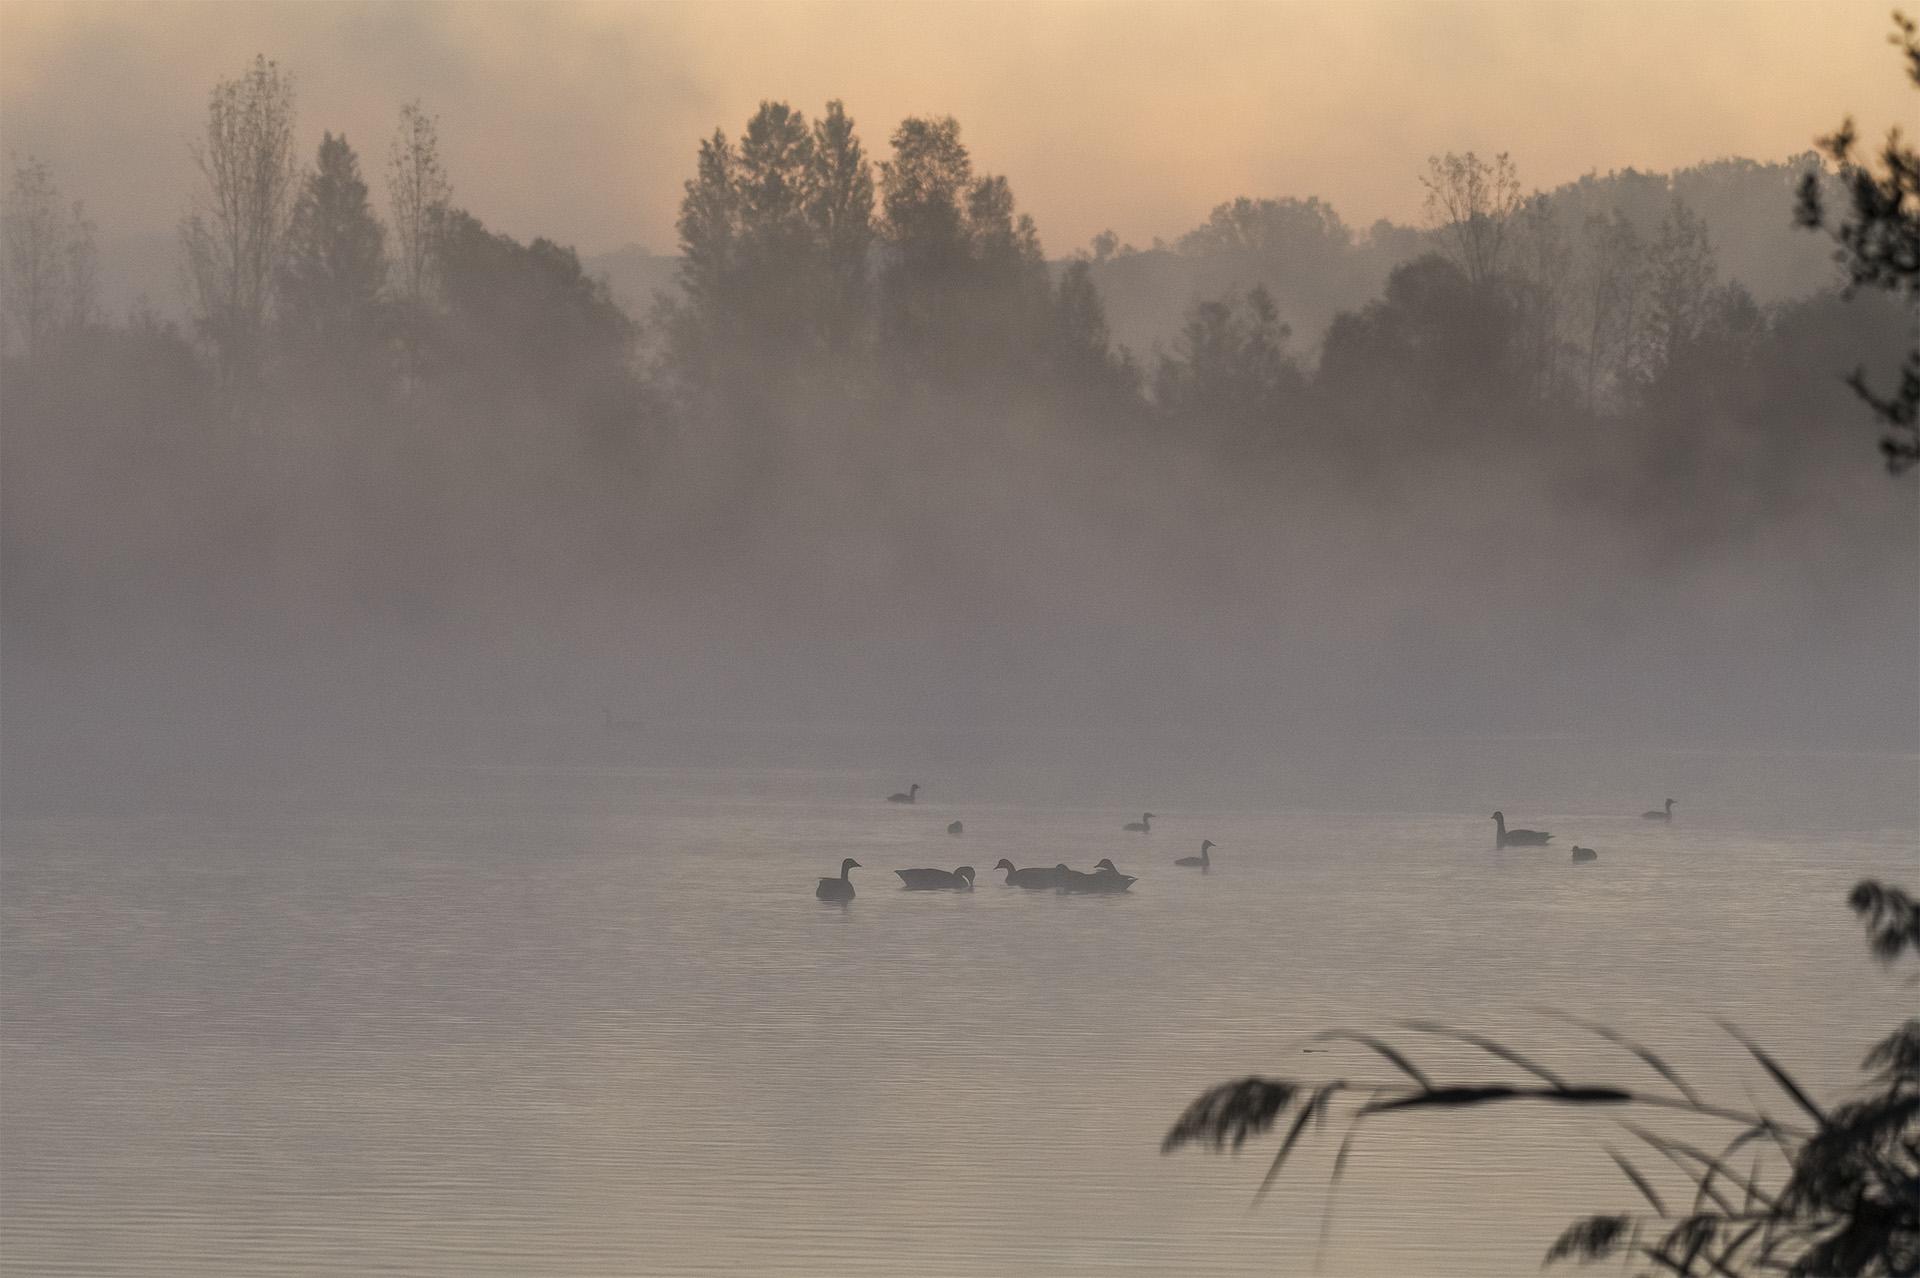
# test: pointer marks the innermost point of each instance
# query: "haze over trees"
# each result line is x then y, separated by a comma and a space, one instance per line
875, 408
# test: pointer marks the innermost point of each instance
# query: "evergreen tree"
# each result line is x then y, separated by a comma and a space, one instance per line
332, 282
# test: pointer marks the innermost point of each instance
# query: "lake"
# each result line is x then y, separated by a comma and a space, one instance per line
584, 1015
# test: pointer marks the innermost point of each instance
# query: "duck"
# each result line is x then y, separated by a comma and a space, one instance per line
1031, 877
840, 889
1202, 860
1584, 854
1658, 815
929, 880
1503, 837
953, 827
1143, 826
909, 795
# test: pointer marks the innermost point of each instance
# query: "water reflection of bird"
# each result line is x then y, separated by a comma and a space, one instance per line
1032, 877
840, 889
1202, 860
909, 796
1657, 815
1142, 826
930, 880
1503, 837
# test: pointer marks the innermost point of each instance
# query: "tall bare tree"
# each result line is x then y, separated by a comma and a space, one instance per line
1471, 203
236, 238
34, 254
1612, 288
51, 263
418, 196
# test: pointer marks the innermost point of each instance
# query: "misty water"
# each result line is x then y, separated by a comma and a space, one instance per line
577, 1011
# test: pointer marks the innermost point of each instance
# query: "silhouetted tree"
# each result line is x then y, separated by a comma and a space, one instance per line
1612, 285
1470, 204
1304, 229
1433, 354
840, 209
51, 262
1229, 367
331, 283
418, 196
236, 239
1879, 240
924, 187
774, 237
1680, 279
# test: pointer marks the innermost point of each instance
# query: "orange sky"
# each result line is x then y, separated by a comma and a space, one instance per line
579, 121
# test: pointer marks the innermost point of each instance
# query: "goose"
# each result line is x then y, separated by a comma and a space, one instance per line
930, 880
1202, 861
1657, 815
1503, 837
1584, 854
1032, 877
909, 796
840, 889
1142, 826
953, 828
1106, 877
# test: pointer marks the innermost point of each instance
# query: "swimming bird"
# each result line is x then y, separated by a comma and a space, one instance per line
954, 828
1503, 837
1584, 854
1202, 860
1106, 877
1032, 877
1142, 826
1657, 815
840, 889
910, 796
929, 880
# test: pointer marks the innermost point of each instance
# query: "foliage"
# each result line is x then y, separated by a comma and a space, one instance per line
1879, 244
1849, 1203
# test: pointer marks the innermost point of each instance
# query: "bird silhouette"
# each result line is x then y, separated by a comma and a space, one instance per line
840, 889
930, 880
1203, 861
1505, 838
1032, 877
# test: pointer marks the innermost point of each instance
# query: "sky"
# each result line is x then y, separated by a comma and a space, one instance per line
580, 121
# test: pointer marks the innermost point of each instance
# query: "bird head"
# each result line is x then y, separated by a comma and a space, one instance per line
1004, 864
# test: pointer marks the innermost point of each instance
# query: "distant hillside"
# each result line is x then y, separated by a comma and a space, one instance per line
1315, 266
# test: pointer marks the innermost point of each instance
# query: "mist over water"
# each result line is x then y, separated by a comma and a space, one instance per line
436, 665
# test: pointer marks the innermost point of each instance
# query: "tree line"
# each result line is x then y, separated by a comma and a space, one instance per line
829, 294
